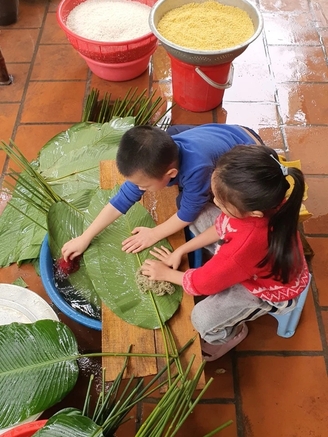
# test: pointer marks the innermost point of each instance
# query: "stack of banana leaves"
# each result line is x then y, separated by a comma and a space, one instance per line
58, 194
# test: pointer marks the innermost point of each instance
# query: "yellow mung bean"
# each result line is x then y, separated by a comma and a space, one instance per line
206, 26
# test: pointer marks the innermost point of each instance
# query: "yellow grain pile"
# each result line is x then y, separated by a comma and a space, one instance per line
206, 26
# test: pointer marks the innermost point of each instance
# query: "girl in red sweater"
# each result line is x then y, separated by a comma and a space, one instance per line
259, 264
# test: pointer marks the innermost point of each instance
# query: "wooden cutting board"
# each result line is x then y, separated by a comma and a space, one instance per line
117, 335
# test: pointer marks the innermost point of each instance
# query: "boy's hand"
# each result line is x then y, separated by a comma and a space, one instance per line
171, 259
74, 248
143, 237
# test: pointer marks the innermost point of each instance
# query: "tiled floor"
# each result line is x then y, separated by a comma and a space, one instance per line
268, 386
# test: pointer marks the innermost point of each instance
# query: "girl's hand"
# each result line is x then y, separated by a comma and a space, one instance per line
171, 259
156, 270
143, 237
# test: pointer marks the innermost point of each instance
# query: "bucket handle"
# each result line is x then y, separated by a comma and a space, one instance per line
220, 86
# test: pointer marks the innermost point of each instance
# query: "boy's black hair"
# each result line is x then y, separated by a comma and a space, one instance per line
147, 149
250, 179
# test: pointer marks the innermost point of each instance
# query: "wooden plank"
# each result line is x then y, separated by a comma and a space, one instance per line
109, 175
117, 335
162, 206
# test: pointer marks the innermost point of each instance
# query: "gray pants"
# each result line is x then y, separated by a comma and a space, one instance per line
218, 316
205, 220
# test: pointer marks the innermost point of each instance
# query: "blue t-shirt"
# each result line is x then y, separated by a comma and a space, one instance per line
199, 150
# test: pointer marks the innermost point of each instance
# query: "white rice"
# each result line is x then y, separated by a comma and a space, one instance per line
109, 20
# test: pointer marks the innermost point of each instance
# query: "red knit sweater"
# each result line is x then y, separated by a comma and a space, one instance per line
245, 245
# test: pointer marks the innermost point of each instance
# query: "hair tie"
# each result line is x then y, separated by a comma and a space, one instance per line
284, 170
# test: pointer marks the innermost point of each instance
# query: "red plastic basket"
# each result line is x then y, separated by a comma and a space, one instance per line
120, 71
25, 430
111, 52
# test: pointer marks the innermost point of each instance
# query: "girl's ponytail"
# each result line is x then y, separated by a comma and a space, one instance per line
283, 252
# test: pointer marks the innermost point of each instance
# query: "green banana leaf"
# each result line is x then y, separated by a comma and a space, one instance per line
22, 227
21, 237
70, 164
64, 223
112, 271
36, 377
68, 425
78, 151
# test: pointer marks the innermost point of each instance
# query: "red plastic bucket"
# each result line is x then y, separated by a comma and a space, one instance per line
25, 430
200, 89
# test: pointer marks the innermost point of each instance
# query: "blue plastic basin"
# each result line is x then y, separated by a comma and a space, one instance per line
47, 277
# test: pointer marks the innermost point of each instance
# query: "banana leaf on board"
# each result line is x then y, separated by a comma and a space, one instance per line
112, 271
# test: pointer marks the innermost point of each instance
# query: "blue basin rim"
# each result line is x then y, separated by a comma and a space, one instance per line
47, 277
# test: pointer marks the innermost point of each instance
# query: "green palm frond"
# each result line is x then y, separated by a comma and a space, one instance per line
33, 374
145, 110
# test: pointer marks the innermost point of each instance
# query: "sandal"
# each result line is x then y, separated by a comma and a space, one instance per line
215, 351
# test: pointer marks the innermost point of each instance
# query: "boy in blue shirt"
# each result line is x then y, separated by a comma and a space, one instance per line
151, 159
